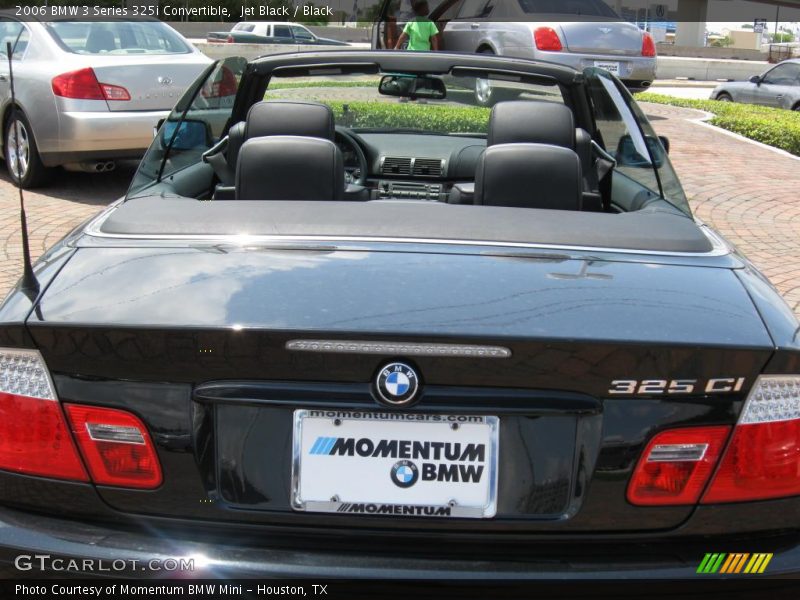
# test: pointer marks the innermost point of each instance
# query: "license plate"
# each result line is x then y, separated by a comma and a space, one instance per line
398, 464
611, 67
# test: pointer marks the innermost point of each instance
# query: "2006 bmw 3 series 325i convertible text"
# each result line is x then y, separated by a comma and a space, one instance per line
346, 320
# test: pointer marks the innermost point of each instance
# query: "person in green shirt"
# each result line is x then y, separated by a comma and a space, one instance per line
420, 32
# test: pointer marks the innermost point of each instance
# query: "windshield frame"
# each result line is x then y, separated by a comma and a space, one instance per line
258, 74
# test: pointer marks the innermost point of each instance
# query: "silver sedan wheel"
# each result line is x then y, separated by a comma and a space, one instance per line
18, 153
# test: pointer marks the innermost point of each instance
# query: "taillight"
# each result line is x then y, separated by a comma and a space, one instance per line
676, 466
117, 448
115, 92
648, 45
762, 460
230, 39
546, 38
223, 85
83, 85
34, 437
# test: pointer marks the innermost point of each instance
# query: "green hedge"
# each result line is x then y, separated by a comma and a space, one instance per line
773, 126
296, 85
428, 117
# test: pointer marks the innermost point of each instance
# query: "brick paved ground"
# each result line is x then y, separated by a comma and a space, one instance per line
748, 193
52, 212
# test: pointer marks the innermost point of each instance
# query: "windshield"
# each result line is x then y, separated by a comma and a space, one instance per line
117, 37
358, 104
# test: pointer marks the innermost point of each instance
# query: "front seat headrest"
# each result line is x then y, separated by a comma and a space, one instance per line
100, 39
290, 117
532, 122
289, 168
529, 176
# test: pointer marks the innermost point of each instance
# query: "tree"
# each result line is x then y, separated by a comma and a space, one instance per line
782, 38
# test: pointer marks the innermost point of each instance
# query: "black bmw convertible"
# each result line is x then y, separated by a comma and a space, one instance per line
346, 322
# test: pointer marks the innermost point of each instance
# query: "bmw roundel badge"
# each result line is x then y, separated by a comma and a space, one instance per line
404, 474
397, 384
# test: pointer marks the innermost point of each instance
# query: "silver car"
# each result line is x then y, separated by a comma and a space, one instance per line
577, 33
88, 93
779, 87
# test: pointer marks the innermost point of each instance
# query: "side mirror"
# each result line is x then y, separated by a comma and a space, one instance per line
628, 154
157, 127
664, 142
412, 86
191, 135
756, 79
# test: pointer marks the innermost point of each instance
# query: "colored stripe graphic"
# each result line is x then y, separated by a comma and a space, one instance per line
758, 563
734, 563
316, 446
711, 563
329, 445
323, 445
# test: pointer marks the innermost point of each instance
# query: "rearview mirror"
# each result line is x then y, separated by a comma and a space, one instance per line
191, 134
756, 79
413, 86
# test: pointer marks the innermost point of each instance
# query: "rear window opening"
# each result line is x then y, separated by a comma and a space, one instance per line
590, 8
117, 38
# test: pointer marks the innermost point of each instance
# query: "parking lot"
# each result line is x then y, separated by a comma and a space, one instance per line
747, 192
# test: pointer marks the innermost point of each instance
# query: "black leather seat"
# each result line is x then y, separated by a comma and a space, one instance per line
541, 122
531, 122
290, 117
289, 168
529, 176
273, 117
281, 117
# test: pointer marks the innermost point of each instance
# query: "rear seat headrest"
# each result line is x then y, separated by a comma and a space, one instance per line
531, 122
529, 176
289, 168
290, 117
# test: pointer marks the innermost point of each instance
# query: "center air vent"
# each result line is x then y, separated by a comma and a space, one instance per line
428, 167
396, 166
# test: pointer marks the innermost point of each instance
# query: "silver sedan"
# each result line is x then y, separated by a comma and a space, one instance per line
88, 93
779, 87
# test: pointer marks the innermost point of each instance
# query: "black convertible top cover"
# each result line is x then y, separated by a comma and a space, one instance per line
653, 230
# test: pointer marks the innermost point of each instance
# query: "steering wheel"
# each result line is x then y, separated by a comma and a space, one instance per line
348, 139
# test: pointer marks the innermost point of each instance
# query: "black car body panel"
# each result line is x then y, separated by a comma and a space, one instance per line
96, 333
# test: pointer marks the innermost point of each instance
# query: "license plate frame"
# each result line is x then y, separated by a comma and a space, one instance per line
480, 503
612, 66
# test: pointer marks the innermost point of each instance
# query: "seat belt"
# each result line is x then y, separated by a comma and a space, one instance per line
604, 166
215, 156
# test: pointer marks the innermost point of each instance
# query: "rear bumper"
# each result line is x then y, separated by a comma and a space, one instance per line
85, 135
25, 538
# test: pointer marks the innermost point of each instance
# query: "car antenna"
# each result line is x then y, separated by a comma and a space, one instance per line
30, 284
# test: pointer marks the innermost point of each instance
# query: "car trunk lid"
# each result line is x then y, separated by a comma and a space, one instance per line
609, 38
153, 82
200, 342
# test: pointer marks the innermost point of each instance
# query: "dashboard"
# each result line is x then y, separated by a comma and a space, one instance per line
410, 166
